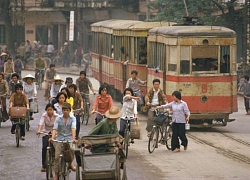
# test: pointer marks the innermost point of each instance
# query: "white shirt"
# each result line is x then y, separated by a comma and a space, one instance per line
155, 100
50, 48
29, 89
129, 108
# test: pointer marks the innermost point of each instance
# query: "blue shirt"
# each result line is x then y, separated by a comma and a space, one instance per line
64, 131
179, 111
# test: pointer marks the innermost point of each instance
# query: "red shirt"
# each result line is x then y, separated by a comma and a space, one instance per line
103, 104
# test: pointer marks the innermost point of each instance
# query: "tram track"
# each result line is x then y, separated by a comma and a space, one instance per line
226, 152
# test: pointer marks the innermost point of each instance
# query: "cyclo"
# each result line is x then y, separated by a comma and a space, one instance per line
105, 164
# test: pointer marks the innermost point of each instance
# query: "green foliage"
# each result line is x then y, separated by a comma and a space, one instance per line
174, 10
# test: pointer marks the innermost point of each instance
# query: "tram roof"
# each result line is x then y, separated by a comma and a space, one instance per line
113, 23
143, 25
193, 31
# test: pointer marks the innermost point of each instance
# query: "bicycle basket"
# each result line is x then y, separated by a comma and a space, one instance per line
67, 153
160, 119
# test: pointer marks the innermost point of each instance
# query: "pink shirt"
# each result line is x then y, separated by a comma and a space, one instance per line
48, 122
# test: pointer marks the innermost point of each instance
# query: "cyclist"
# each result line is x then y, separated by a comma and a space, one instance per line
83, 85
29, 88
4, 89
60, 98
106, 126
129, 109
46, 122
39, 64
103, 102
64, 133
18, 65
8, 68
57, 83
154, 97
69, 98
19, 99
134, 83
49, 76
68, 82
14, 80
78, 103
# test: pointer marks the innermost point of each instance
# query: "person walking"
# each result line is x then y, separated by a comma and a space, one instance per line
180, 116
245, 87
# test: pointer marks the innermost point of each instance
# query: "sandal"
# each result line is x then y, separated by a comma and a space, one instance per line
22, 138
43, 169
132, 141
72, 167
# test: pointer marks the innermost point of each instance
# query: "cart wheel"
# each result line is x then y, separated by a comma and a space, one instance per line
124, 172
77, 172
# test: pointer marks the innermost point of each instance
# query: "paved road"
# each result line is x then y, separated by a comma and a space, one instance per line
217, 153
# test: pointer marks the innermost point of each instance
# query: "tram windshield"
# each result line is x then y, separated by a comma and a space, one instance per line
205, 59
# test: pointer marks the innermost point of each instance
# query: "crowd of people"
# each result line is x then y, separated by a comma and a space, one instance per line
62, 118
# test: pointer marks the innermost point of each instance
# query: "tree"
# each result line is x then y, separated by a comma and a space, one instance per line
204, 9
5, 13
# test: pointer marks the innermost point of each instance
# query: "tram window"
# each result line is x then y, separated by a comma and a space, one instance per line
172, 64
185, 67
205, 64
185, 62
225, 59
142, 49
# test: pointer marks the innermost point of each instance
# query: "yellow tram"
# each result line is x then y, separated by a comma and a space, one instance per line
199, 61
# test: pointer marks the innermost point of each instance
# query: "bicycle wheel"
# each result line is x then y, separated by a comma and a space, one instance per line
125, 143
49, 164
61, 168
17, 135
40, 82
168, 136
86, 114
1, 117
153, 140
161, 134
27, 122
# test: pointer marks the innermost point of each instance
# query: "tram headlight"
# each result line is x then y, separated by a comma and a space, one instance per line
204, 98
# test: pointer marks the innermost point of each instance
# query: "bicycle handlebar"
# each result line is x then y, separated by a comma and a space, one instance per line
3, 95
54, 140
99, 113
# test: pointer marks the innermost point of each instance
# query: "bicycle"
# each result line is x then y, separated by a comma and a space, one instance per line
63, 166
27, 122
127, 136
50, 156
18, 122
1, 109
85, 114
101, 117
39, 76
163, 128
8, 77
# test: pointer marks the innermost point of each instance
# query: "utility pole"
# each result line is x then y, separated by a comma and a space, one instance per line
246, 49
148, 10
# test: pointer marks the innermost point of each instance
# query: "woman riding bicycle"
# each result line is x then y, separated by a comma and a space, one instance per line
19, 99
103, 102
129, 110
46, 122
61, 98
29, 88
